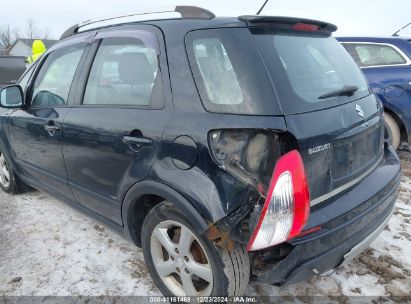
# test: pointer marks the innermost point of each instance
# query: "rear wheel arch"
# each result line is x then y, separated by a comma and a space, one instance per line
166, 255
400, 123
393, 111
143, 196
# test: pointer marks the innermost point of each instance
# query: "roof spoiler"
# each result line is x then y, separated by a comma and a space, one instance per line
185, 12
255, 20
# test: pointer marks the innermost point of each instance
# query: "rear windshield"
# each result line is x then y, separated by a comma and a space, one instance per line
310, 71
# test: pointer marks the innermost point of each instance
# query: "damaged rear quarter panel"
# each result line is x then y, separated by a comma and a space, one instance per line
212, 191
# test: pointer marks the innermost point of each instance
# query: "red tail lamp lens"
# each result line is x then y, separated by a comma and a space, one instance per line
287, 206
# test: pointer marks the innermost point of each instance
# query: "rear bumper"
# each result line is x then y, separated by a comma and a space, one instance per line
349, 223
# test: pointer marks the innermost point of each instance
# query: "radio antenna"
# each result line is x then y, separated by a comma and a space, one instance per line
261, 9
396, 33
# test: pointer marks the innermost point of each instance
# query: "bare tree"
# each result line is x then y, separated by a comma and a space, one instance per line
46, 34
7, 38
31, 30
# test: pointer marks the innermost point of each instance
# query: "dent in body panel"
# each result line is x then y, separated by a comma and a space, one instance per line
213, 191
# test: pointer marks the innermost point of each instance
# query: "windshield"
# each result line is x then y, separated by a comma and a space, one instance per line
310, 71
24, 80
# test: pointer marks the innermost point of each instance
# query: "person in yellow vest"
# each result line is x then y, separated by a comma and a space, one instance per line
38, 49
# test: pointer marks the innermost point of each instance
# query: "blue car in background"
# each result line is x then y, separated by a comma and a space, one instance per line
386, 62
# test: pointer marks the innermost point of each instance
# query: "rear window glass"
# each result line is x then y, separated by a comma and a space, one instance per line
229, 73
310, 71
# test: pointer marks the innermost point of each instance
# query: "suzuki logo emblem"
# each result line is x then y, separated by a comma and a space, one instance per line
359, 110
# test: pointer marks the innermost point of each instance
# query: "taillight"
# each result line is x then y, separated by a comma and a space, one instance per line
287, 205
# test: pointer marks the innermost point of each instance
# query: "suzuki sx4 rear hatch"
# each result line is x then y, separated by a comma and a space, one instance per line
326, 103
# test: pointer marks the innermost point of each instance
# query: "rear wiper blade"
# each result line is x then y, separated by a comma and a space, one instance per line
344, 91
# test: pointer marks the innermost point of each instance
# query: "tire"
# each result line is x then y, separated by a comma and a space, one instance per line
8, 181
393, 130
225, 273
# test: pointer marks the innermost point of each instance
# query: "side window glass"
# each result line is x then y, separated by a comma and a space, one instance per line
125, 71
26, 76
52, 85
216, 68
353, 52
374, 55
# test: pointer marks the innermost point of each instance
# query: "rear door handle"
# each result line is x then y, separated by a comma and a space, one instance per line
138, 141
51, 127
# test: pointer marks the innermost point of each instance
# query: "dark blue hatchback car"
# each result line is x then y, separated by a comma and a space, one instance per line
386, 64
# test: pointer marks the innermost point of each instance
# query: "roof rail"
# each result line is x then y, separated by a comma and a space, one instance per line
178, 12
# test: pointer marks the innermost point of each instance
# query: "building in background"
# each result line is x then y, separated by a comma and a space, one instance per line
23, 47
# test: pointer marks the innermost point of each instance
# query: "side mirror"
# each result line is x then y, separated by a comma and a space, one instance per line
11, 97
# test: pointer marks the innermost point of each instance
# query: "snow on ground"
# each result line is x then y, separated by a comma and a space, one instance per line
48, 248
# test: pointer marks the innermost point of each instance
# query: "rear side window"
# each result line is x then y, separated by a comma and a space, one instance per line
125, 71
229, 72
367, 55
215, 68
52, 85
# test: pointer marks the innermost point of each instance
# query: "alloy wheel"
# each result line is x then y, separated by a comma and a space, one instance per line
180, 260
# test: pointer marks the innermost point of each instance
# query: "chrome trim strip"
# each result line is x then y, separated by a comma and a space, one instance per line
347, 185
355, 251
398, 50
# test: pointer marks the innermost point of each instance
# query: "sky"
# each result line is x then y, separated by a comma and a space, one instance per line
353, 17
